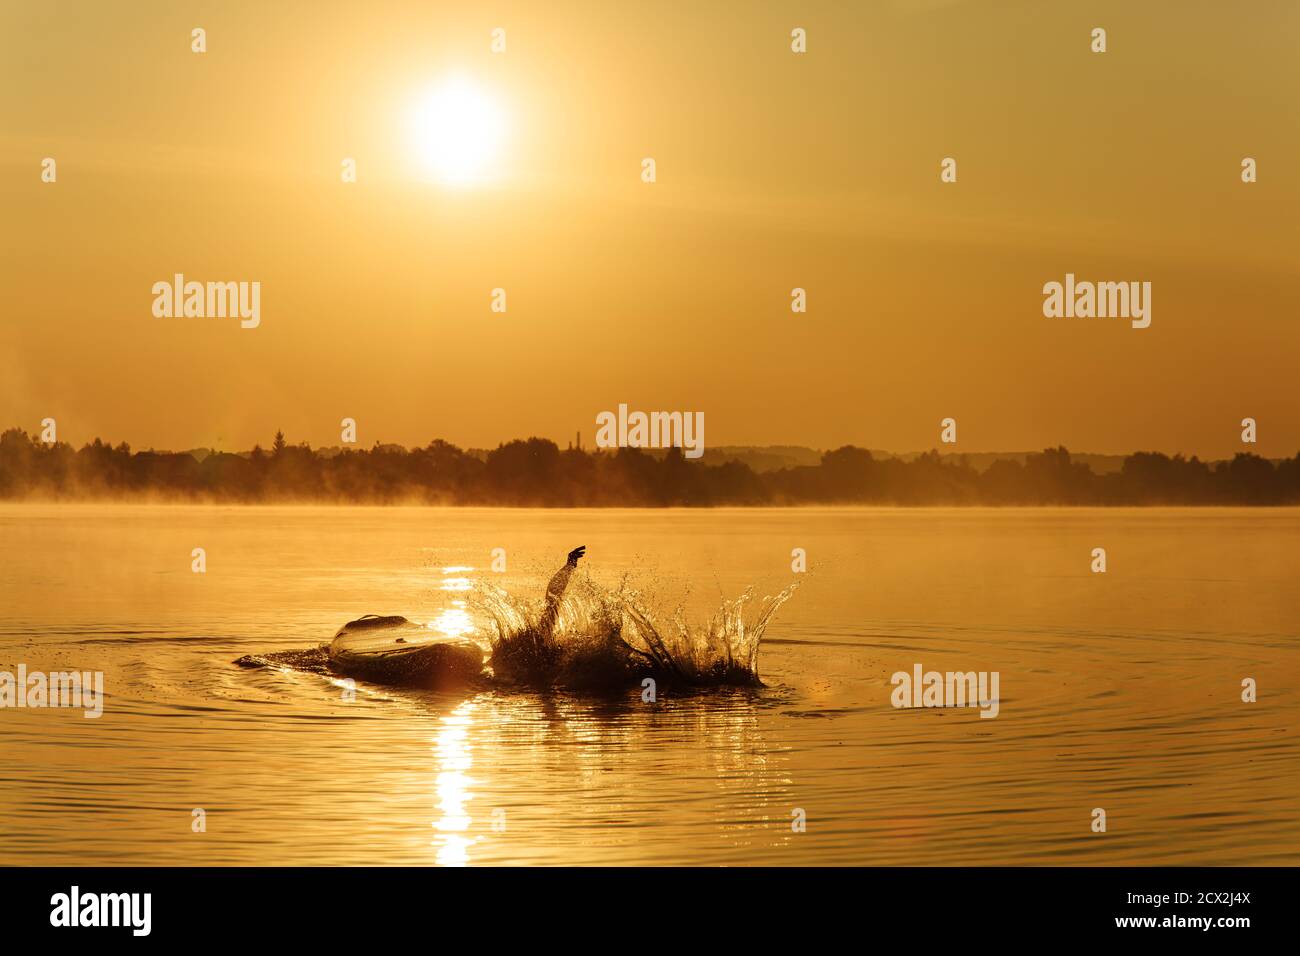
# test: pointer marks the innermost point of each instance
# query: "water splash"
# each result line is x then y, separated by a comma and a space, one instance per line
610, 639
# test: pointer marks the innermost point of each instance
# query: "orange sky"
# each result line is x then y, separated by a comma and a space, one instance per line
775, 170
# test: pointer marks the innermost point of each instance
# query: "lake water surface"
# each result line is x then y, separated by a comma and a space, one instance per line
1119, 691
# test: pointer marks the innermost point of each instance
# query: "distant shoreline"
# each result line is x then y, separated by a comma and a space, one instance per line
144, 501
536, 473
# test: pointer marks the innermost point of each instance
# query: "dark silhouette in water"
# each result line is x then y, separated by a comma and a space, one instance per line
556, 588
585, 637
531, 649
581, 638
537, 473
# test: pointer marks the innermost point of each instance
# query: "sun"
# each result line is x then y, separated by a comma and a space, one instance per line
458, 130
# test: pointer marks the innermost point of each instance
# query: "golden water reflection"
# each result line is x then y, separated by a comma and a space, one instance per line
453, 621
453, 787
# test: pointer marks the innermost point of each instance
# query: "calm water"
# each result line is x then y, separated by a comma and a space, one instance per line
1119, 691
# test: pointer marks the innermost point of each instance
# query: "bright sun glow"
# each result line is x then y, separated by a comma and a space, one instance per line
458, 129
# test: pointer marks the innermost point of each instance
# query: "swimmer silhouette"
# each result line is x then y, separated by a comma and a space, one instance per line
555, 590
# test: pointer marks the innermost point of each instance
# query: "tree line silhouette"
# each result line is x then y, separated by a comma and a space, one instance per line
536, 472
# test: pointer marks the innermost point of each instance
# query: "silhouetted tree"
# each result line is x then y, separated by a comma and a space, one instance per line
535, 472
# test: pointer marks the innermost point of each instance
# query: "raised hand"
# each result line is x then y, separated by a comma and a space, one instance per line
577, 553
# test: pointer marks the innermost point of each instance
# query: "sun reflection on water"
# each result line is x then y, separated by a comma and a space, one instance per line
453, 621
452, 787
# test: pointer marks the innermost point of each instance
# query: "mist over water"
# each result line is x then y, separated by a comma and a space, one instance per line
1119, 690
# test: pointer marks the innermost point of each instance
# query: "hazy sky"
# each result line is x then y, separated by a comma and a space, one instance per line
774, 171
